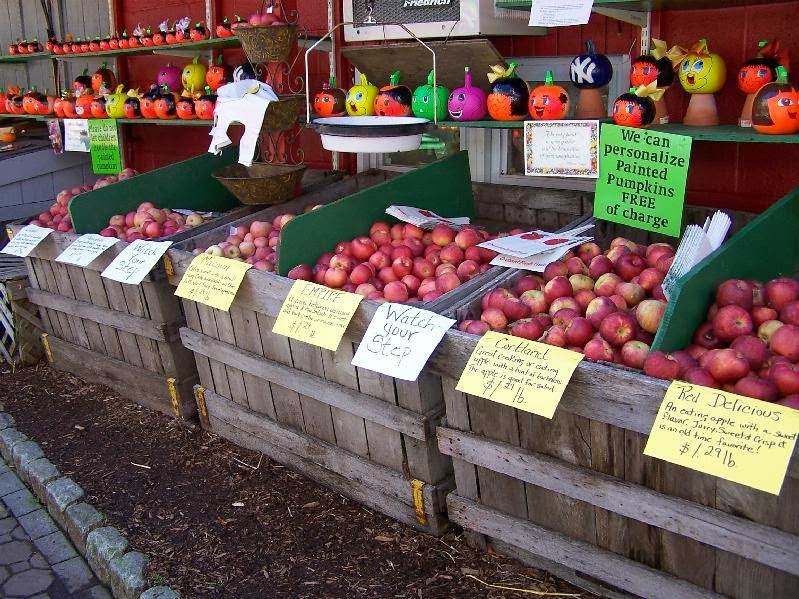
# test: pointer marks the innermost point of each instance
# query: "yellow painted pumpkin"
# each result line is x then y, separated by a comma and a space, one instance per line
193, 76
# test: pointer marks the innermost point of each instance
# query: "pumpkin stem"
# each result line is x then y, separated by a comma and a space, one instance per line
332, 82
103, 66
219, 60
549, 79
782, 74
430, 77
85, 71
394, 78
119, 88
467, 77
762, 43
196, 58
364, 80
208, 89
589, 46
511, 72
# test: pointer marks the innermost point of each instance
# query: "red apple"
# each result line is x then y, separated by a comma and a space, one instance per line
447, 282
526, 283
700, 376
557, 287
564, 317
555, 269
752, 386
415, 245
335, 277
634, 353
785, 342
515, 309
495, 319
606, 284
789, 314
761, 314
732, 321
423, 268
568, 303
451, 254
535, 300
632, 293
576, 266
656, 251
661, 366
496, 298
618, 328
598, 350
579, 331
401, 251
753, 349
780, 292
444, 268
786, 377
792, 401
396, 291
588, 251
361, 274
629, 266
705, 336
579, 282
365, 289
379, 260
387, 275
477, 327
584, 297
766, 330
301, 272
555, 335
362, 248
467, 269
735, 292
402, 266
527, 328
467, 237
599, 266
342, 261
649, 313
442, 235
650, 278
728, 366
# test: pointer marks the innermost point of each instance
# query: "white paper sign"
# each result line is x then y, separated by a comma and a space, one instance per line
135, 261
561, 149
425, 219
85, 249
532, 243
76, 135
399, 340
560, 13
25, 240
535, 263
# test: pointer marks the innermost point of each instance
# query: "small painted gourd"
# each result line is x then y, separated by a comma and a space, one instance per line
193, 77
103, 78
655, 66
361, 98
508, 95
147, 103
83, 105
776, 107
549, 102
423, 100
467, 103
205, 104
184, 107
331, 101
590, 70
702, 71
756, 72
217, 75
394, 99
170, 76
132, 106
30, 101
98, 107
632, 110
115, 103
165, 105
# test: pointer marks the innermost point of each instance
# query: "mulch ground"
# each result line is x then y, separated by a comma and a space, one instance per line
217, 520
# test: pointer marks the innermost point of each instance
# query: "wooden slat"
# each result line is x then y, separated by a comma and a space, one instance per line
396, 418
117, 302
384, 445
203, 364
316, 415
618, 571
248, 338
148, 348
754, 541
81, 291
99, 297
112, 318
350, 429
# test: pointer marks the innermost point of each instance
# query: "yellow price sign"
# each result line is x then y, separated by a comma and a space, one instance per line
212, 280
523, 374
736, 438
316, 314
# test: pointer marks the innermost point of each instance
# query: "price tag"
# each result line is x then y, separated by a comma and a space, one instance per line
523, 374
85, 249
316, 314
736, 438
399, 340
212, 280
22, 243
135, 261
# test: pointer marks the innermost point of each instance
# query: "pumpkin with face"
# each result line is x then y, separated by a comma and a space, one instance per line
115, 103
702, 71
15, 103
185, 107
204, 105
103, 78
30, 101
467, 103
394, 99
98, 107
508, 95
217, 76
68, 106
194, 75
166, 104
82, 82
549, 102
361, 98
757, 72
632, 110
776, 107
132, 106
423, 100
46, 106
83, 105
331, 101
646, 69
147, 103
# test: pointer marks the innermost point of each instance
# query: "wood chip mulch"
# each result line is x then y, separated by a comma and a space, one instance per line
217, 520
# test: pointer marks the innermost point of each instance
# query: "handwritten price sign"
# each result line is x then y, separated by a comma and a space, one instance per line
736, 438
316, 314
523, 374
212, 280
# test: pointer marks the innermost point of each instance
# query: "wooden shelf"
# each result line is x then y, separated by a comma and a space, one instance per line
19, 58
173, 122
647, 5
483, 124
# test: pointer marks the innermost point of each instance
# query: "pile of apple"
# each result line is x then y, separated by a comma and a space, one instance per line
57, 216
749, 344
150, 222
401, 263
607, 306
255, 244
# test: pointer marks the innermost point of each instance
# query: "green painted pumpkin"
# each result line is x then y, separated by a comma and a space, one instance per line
423, 100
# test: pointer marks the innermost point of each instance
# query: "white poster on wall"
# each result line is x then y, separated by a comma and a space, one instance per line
76, 135
561, 149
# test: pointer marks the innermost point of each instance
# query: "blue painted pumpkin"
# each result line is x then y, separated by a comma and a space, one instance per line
590, 70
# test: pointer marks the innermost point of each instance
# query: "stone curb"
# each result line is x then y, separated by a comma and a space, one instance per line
104, 547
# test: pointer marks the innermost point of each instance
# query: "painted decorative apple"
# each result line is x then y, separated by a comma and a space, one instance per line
632, 110
115, 103
193, 77
423, 100
124, 42
217, 75
757, 72
589, 73
94, 45
105, 44
361, 98
103, 78
223, 29
467, 103
549, 102
204, 105
331, 101
146, 38
113, 42
170, 76
702, 74
776, 107
508, 96
82, 82
394, 99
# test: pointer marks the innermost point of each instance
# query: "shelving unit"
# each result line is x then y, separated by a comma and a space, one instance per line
216, 43
21, 58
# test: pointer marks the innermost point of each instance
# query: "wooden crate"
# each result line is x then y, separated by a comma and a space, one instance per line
20, 326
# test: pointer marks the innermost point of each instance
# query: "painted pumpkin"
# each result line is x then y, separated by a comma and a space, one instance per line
103, 78
549, 102
331, 101
702, 71
132, 105
194, 75
762, 69
467, 103
83, 105
245, 71
113, 42
394, 99
508, 96
82, 82
115, 103
105, 44
776, 107
204, 105
423, 100
647, 68
217, 76
147, 103
184, 107
58, 106
85, 46
170, 76
361, 98
68, 106
590, 70
632, 110
166, 105
198, 32
15, 104
124, 41
30, 101
46, 106
94, 45
98, 107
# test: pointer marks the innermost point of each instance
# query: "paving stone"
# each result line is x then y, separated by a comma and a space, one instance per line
55, 547
38, 561
21, 502
19, 567
96, 592
3, 466
81, 519
3, 511
60, 494
28, 583
4, 574
9, 483
19, 534
75, 574
159, 593
38, 523
15, 551
103, 545
7, 525
6, 420
128, 578
5, 539
8, 438
38, 473
25, 452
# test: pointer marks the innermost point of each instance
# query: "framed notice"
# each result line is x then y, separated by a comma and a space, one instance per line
561, 149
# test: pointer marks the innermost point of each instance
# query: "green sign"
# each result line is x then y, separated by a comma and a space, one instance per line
104, 147
642, 177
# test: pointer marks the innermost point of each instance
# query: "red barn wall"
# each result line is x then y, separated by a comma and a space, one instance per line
736, 176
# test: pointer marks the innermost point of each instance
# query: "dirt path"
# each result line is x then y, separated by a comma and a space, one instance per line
221, 521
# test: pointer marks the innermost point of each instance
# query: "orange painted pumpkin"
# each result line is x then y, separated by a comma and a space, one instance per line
331, 101
103, 77
83, 106
98, 107
776, 107
549, 102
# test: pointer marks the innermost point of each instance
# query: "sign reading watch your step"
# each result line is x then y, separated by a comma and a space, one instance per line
642, 176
